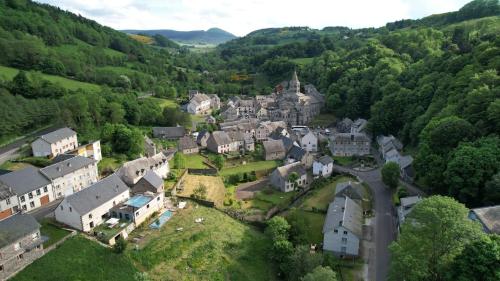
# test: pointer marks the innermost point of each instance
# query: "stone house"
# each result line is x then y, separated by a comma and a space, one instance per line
169, 133
274, 150
220, 142
71, 175
309, 142
199, 104
187, 145
32, 188
89, 207
298, 154
342, 230
55, 143
347, 144
323, 167
134, 170
20, 243
350, 189
280, 177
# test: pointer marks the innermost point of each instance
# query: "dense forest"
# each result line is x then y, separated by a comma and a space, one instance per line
432, 82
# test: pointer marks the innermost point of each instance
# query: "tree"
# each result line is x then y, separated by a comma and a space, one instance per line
200, 192
301, 262
434, 233
21, 85
120, 245
179, 160
277, 228
116, 112
492, 191
219, 161
320, 273
293, 178
479, 260
390, 174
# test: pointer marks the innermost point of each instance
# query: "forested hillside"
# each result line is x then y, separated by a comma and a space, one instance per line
432, 82
211, 36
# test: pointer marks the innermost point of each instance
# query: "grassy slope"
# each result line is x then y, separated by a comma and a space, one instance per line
322, 197
53, 232
164, 102
79, 259
9, 73
219, 249
249, 167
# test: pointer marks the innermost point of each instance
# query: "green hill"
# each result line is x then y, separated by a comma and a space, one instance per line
212, 36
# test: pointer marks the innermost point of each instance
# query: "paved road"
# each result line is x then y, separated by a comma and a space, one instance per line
385, 221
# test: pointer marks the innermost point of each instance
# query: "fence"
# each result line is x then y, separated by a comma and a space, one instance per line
205, 172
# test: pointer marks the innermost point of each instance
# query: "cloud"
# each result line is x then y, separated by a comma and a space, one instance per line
242, 17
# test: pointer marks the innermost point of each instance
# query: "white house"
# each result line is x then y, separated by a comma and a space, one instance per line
280, 177
89, 207
9, 203
342, 230
323, 166
221, 142
55, 143
309, 142
199, 104
71, 174
32, 188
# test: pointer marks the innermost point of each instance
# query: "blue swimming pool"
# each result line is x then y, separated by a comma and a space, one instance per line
161, 220
138, 201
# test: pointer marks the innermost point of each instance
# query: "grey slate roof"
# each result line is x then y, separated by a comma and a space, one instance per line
325, 160
97, 194
489, 217
16, 227
405, 161
58, 135
186, 142
349, 189
343, 211
169, 132
272, 146
152, 178
296, 153
221, 138
62, 157
67, 166
25, 180
201, 135
348, 137
410, 201
285, 171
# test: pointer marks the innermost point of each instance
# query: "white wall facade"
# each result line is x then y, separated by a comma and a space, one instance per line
41, 148
319, 169
341, 242
33, 199
309, 142
75, 181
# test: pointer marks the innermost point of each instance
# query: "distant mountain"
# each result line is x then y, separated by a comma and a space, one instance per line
212, 36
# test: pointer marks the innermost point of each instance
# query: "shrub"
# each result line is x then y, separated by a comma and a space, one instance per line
120, 245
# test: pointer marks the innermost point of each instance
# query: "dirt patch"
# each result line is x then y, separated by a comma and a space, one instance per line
214, 187
247, 190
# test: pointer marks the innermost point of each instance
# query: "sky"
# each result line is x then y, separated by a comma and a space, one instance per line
243, 16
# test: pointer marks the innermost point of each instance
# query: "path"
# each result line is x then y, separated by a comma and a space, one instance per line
385, 221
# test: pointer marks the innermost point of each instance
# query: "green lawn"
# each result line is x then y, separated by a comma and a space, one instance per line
13, 166
164, 102
220, 248
249, 167
9, 73
321, 198
302, 61
108, 163
79, 259
268, 198
309, 223
323, 120
195, 161
343, 160
53, 232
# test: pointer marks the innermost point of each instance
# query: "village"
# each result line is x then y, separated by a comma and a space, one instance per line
253, 159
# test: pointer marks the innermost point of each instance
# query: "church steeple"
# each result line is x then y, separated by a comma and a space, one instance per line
294, 85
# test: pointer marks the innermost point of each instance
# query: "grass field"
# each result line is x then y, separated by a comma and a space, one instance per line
108, 163
164, 102
79, 259
320, 198
214, 186
141, 38
193, 161
302, 61
53, 232
13, 166
323, 120
220, 248
268, 198
9, 73
249, 167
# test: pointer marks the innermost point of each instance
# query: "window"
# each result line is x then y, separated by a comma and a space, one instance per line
343, 249
45, 189
136, 214
1, 267
90, 216
24, 207
147, 206
8, 201
38, 192
32, 204
30, 195
157, 198
91, 224
335, 231
62, 208
22, 198
70, 209
344, 240
20, 256
345, 232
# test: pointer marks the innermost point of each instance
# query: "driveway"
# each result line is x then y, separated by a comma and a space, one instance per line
384, 228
